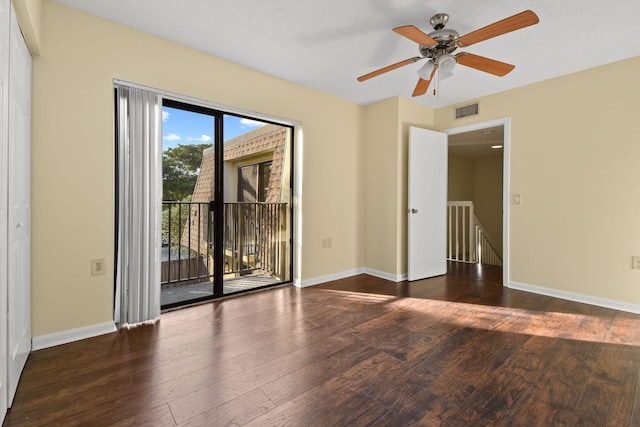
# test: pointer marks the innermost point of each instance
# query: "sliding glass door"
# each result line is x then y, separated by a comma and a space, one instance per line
226, 209
257, 204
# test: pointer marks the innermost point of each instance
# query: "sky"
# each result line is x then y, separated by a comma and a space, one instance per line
185, 127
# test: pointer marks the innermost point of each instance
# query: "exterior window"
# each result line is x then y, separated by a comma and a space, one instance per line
253, 182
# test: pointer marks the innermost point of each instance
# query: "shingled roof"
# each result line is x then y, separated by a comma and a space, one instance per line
264, 139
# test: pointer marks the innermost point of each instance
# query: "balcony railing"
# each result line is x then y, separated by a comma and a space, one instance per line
255, 240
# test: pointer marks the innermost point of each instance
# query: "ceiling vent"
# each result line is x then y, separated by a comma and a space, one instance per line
467, 110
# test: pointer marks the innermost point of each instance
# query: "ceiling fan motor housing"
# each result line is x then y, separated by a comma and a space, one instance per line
446, 39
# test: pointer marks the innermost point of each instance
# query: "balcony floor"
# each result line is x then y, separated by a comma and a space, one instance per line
199, 290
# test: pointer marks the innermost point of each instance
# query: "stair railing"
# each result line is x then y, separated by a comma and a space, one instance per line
460, 226
486, 252
467, 239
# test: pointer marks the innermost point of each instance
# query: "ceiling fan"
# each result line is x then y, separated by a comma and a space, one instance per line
437, 47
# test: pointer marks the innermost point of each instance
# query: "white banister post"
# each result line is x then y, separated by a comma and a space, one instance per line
472, 234
449, 234
464, 234
457, 235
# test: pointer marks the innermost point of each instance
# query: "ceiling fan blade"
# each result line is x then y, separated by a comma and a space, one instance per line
515, 22
481, 63
416, 35
423, 85
388, 68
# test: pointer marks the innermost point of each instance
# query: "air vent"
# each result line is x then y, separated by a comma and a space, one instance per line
467, 110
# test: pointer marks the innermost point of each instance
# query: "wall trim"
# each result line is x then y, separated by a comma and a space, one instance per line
71, 335
328, 278
571, 296
384, 275
349, 273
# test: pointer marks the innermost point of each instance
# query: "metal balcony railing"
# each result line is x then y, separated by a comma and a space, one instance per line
255, 240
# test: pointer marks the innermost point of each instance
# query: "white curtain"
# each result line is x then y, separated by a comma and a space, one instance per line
139, 182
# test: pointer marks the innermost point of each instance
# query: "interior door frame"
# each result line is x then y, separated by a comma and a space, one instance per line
506, 181
5, 37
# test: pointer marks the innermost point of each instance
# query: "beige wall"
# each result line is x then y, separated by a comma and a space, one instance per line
461, 173
381, 176
73, 155
386, 143
487, 197
574, 160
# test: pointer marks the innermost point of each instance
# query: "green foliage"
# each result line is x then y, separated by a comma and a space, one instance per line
174, 222
180, 169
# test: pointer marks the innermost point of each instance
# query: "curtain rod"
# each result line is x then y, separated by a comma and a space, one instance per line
209, 104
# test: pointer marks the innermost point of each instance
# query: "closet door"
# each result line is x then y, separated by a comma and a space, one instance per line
19, 208
4, 114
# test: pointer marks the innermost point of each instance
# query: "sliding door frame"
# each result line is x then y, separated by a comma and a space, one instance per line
218, 203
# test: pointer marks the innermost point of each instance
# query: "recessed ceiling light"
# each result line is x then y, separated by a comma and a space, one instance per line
496, 146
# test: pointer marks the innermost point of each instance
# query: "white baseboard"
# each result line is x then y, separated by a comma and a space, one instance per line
571, 296
328, 278
384, 275
350, 273
64, 337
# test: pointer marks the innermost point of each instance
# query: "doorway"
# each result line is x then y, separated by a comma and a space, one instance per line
226, 210
479, 173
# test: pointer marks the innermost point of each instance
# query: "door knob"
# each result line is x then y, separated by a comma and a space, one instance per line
414, 210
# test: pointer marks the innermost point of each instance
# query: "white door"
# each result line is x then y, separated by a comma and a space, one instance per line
19, 209
5, 19
427, 200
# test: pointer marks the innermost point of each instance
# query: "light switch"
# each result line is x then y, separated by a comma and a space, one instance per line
517, 199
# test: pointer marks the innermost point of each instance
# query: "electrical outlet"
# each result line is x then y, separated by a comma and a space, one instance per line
98, 267
635, 262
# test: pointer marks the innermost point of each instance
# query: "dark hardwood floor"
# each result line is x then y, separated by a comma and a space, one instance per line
456, 350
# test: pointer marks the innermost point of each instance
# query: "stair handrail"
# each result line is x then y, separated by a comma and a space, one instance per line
484, 241
467, 238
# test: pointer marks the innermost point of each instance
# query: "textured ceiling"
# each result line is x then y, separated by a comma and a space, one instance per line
326, 44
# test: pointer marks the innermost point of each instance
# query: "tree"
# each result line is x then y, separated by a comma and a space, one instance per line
180, 169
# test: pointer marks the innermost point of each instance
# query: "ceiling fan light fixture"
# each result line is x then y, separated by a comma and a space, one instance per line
446, 63
425, 71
